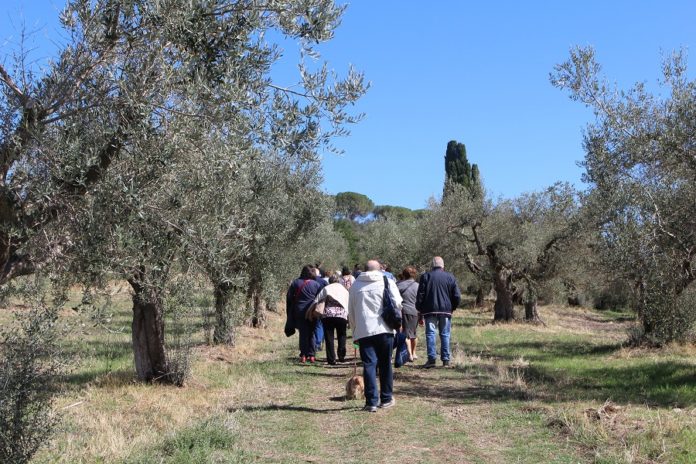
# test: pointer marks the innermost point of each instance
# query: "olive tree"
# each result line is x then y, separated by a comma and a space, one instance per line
394, 240
513, 244
641, 166
102, 152
278, 214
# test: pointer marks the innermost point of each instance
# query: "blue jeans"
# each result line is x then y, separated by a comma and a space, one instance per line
444, 324
376, 354
318, 334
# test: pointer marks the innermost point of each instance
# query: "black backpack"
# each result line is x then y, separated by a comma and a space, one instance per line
391, 314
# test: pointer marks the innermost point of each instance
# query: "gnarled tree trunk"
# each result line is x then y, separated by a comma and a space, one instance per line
502, 283
531, 314
223, 333
258, 305
530, 311
13, 264
479, 297
258, 319
148, 332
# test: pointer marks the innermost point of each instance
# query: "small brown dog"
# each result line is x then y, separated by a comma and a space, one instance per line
355, 388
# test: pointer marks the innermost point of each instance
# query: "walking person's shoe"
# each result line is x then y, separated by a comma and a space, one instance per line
445, 363
368, 408
312, 359
303, 359
388, 404
429, 364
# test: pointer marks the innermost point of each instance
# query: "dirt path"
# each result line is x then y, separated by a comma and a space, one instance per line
462, 414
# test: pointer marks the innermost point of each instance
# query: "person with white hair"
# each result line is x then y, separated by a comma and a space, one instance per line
375, 337
438, 296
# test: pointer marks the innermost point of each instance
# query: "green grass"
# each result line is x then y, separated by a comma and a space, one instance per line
588, 368
212, 440
575, 369
516, 393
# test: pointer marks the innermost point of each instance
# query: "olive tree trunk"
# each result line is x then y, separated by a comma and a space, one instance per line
531, 314
259, 317
148, 333
224, 331
502, 283
258, 305
479, 297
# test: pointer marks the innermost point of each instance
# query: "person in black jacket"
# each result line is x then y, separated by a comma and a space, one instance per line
438, 295
300, 297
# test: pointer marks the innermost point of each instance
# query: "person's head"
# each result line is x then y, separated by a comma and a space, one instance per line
345, 271
438, 262
409, 272
333, 279
373, 265
307, 272
382, 265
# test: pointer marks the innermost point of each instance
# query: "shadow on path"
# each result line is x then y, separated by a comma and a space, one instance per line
289, 407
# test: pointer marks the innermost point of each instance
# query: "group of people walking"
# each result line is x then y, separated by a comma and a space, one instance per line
357, 300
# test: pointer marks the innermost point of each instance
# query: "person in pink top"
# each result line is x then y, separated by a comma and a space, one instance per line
346, 278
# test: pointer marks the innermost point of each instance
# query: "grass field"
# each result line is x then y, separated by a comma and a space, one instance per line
566, 392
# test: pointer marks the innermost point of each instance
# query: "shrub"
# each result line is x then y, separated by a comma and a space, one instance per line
616, 295
29, 365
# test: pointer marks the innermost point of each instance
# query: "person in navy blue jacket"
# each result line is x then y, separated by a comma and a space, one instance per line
438, 295
300, 297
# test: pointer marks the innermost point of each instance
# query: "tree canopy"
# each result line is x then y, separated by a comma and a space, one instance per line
641, 167
353, 205
458, 169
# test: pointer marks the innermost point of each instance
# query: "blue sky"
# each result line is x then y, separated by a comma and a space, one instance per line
471, 71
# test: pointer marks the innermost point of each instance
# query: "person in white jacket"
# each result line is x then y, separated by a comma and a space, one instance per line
375, 338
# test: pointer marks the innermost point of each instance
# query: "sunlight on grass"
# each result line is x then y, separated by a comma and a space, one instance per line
514, 393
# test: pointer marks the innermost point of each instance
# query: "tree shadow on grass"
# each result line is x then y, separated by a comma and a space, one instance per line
100, 378
321, 362
328, 373
454, 389
466, 322
289, 407
542, 350
95, 358
561, 370
660, 384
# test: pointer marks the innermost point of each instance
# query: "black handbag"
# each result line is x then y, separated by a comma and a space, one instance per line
391, 314
401, 356
289, 328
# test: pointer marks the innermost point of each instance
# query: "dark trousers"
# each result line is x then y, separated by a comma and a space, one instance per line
306, 330
338, 325
376, 354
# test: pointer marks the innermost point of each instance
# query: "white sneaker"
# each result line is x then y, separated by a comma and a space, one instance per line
388, 404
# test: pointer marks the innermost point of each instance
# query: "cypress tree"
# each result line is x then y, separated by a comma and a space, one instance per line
458, 169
